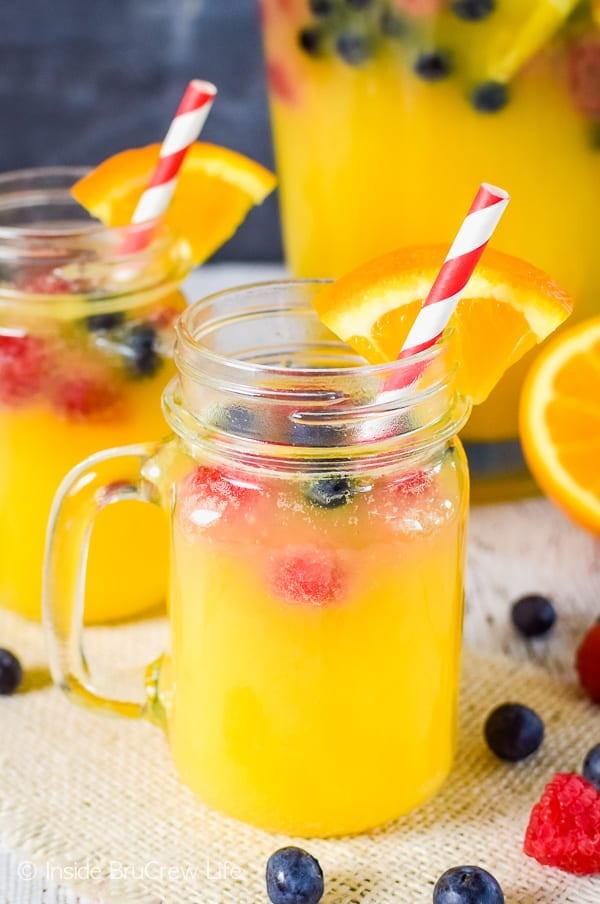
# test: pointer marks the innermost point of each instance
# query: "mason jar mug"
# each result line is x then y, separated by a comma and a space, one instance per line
317, 533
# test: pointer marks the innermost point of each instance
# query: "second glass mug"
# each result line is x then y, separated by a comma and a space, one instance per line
317, 550
373, 104
86, 336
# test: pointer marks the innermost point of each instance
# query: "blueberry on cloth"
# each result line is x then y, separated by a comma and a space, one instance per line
11, 673
294, 877
533, 615
591, 766
513, 731
467, 885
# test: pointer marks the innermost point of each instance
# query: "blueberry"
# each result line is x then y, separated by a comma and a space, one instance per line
354, 48
294, 877
533, 615
594, 136
473, 10
312, 41
329, 492
11, 673
109, 321
237, 420
322, 8
591, 766
467, 885
142, 360
513, 731
315, 435
489, 97
393, 25
433, 65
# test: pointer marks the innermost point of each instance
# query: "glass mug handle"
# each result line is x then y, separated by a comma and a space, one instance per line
111, 476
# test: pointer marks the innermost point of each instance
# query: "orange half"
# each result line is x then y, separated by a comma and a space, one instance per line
559, 421
507, 308
215, 190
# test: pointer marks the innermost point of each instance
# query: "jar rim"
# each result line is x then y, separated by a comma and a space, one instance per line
187, 340
232, 400
45, 232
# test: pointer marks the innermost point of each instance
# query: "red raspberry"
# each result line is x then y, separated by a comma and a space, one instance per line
207, 493
83, 396
282, 83
22, 368
419, 8
307, 574
413, 483
164, 318
564, 826
584, 75
587, 662
47, 283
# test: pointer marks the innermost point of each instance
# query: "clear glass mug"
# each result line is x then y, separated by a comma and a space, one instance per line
85, 351
386, 116
317, 551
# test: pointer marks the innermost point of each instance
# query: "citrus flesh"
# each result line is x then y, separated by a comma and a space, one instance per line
216, 189
559, 420
507, 308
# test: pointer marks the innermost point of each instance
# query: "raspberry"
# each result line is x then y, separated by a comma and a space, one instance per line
307, 574
282, 83
81, 397
46, 283
413, 483
22, 368
588, 662
564, 826
207, 493
584, 75
419, 8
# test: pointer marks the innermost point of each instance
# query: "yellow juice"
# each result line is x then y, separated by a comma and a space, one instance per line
86, 336
312, 680
128, 559
377, 148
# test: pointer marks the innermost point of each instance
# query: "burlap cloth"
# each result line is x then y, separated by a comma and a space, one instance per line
91, 810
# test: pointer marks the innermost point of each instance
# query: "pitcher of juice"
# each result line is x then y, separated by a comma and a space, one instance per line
85, 352
317, 549
386, 112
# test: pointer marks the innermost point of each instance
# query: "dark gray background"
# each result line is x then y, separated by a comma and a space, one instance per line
82, 79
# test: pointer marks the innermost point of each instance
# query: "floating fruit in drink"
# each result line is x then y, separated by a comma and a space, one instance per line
380, 109
86, 334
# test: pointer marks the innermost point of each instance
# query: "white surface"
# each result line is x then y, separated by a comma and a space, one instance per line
513, 549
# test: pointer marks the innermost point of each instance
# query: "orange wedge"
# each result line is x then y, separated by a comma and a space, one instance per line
216, 189
560, 422
507, 308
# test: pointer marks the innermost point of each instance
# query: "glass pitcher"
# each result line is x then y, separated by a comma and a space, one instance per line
386, 116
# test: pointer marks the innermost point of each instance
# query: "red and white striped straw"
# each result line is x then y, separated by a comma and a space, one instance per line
468, 246
184, 130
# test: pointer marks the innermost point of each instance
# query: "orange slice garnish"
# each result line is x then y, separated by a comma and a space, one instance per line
507, 308
560, 422
215, 190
